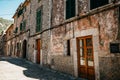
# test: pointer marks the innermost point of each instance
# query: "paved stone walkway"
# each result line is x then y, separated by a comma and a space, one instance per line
19, 69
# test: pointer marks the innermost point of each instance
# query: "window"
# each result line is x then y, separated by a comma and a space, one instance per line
70, 8
20, 26
20, 12
68, 47
23, 25
38, 21
16, 30
24, 9
39, 0
97, 3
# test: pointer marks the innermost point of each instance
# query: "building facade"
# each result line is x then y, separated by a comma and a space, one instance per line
38, 44
78, 37
85, 38
8, 39
21, 29
2, 43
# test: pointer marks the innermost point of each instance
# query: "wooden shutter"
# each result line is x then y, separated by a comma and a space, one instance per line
97, 3
20, 26
24, 25
70, 8
20, 12
38, 21
16, 30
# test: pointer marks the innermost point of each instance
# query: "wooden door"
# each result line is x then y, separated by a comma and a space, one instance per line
85, 58
38, 51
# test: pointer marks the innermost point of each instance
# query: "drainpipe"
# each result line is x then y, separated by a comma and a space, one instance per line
51, 7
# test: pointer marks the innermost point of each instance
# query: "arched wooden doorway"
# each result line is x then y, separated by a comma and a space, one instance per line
24, 48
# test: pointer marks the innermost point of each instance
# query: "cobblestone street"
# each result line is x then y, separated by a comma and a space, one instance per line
19, 69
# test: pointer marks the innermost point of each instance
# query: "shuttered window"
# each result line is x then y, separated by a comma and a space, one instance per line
20, 12
16, 30
23, 26
20, 26
70, 8
38, 21
97, 3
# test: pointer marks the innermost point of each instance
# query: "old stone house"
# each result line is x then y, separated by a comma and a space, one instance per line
85, 37
31, 18
8, 39
21, 29
2, 43
78, 37
38, 44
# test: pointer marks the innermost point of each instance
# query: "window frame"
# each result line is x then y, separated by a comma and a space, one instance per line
21, 27
76, 9
24, 25
40, 24
20, 12
89, 5
16, 30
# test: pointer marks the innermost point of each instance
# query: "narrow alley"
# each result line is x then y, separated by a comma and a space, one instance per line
20, 69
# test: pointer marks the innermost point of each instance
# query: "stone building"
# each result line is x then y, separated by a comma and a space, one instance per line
21, 29
2, 43
39, 39
78, 37
31, 19
85, 38
8, 39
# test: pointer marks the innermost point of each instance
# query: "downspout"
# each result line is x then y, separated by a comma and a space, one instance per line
51, 7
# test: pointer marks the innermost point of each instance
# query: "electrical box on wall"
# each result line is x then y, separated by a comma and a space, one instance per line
114, 47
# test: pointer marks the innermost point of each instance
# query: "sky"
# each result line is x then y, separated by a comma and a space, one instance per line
8, 8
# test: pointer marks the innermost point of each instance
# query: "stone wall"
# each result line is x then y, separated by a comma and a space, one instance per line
45, 36
45, 6
82, 6
63, 63
31, 48
103, 23
109, 32
58, 7
108, 26
109, 68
